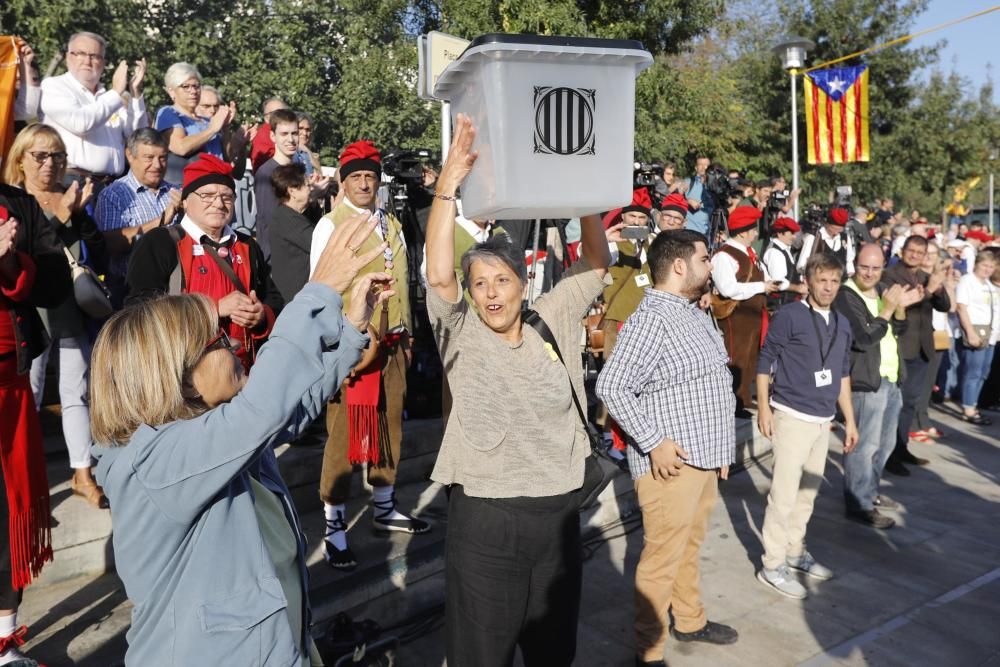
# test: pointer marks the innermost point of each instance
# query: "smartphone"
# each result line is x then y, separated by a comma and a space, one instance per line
635, 232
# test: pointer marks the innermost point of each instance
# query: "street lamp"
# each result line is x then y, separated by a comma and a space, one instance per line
993, 224
792, 51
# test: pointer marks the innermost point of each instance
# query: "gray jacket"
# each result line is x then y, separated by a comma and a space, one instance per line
186, 538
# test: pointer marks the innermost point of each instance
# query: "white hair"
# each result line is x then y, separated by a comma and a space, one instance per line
88, 35
178, 73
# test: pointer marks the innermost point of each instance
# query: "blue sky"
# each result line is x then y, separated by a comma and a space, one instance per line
971, 45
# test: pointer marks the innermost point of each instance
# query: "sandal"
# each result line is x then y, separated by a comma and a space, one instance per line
91, 492
934, 432
920, 436
976, 419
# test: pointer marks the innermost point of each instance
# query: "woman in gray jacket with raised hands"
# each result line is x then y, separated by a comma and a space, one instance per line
206, 538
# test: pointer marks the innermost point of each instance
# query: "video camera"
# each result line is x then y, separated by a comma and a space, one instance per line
406, 166
813, 218
644, 174
721, 186
777, 201
842, 198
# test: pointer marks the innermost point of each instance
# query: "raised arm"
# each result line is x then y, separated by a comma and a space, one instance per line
594, 244
440, 243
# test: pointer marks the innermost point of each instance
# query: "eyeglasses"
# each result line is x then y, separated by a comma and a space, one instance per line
189, 87
221, 342
209, 198
97, 57
58, 157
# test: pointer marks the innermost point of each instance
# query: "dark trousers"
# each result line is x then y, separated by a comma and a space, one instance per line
9, 597
912, 388
513, 573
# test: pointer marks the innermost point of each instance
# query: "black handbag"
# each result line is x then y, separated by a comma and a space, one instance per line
598, 469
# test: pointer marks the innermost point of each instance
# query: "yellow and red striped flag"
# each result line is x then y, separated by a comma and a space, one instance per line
837, 115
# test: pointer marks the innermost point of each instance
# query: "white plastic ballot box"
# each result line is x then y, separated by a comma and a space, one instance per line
555, 121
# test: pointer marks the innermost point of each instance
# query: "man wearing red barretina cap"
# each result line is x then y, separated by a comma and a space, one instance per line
779, 261
203, 255
365, 418
738, 303
833, 239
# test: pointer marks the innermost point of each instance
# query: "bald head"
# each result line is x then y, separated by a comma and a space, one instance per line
868, 266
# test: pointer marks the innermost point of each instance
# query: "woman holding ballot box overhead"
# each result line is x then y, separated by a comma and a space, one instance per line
206, 538
514, 466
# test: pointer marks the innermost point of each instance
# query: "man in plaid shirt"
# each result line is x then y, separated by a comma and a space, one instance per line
669, 387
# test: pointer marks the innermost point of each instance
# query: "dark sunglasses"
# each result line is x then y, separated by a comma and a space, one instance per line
220, 342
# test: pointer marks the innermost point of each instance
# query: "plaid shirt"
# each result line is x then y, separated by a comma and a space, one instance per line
668, 378
128, 203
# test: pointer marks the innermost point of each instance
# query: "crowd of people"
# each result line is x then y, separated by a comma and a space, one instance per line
223, 344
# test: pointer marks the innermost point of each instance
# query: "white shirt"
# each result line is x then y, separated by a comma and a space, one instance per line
832, 242
324, 230
724, 270
977, 296
94, 126
196, 232
775, 264
26, 104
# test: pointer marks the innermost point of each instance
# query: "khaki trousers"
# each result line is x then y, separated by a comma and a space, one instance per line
674, 518
799, 460
335, 479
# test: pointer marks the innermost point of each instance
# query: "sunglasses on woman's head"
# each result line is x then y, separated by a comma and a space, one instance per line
220, 342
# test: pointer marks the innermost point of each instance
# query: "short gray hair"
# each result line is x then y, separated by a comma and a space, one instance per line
205, 88
497, 248
89, 35
146, 136
178, 73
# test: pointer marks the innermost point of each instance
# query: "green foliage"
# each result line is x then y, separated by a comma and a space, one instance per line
715, 86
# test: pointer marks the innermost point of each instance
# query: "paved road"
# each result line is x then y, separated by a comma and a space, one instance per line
924, 593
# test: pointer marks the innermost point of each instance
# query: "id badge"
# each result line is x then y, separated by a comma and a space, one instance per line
824, 378
642, 280
197, 250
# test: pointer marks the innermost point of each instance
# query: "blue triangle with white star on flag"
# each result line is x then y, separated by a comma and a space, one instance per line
835, 82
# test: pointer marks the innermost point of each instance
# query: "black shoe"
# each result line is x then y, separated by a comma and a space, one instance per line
871, 518
340, 559
896, 468
712, 633
908, 457
409, 524
639, 662
743, 413
976, 419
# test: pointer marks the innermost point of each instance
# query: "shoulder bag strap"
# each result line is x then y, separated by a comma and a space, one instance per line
226, 267
535, 321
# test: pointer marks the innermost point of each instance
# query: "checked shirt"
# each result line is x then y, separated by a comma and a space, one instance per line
668, 378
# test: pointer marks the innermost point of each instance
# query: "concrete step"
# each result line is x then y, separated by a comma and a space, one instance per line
398, 575
82, 534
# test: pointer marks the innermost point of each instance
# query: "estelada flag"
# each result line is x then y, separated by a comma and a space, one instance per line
837, 115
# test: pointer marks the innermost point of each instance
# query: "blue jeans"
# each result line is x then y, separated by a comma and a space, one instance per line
876, 413
973, 368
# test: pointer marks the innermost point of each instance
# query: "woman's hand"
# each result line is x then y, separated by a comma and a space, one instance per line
461, 157
220, 120
368, 292
340, 261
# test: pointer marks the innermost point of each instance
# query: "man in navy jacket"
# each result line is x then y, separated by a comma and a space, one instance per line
808, 350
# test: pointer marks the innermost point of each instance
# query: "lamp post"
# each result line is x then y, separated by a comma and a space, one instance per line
993, 224
792, 51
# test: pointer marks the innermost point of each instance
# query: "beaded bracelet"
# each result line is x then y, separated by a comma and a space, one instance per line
445, 197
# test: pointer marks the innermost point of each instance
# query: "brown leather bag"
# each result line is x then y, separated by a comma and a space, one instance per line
721, 306
595, 331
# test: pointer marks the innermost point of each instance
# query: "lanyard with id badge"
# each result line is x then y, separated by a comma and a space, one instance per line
824, 376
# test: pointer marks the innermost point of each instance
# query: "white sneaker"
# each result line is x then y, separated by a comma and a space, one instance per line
781, 580
806, 564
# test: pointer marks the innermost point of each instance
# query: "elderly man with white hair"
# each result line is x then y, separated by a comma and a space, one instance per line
94, 122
